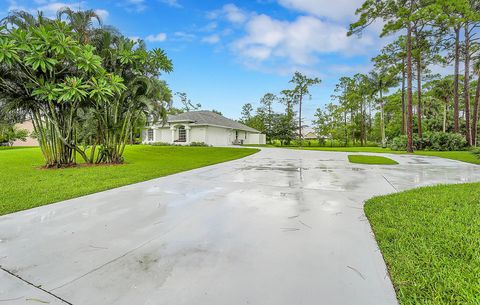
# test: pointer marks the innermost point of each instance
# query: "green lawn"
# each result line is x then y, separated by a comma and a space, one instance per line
464, 156
363, 159
23, 185
430, 239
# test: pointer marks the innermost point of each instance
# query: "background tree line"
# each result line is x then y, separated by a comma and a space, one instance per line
283, 126
429, 33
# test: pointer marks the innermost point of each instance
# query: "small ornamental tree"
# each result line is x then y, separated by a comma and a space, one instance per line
51, 75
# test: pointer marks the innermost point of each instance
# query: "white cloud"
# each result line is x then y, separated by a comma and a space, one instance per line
103, 14
335, 10
172, 3
300, 42
184, 36
156, 38
212, 39
230, 12
138, 5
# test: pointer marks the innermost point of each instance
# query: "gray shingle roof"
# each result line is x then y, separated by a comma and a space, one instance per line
204, 117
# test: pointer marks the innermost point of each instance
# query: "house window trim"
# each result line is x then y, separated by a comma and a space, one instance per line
182, 134
150, 135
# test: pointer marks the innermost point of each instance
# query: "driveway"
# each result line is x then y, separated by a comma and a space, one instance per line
281, 227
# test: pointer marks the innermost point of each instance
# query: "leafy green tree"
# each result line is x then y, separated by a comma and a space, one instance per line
443, 90
10, 133
187, 104
51, 75
302, 88
246, 114
267, 104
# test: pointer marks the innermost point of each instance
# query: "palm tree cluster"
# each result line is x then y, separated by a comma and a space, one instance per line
85, 87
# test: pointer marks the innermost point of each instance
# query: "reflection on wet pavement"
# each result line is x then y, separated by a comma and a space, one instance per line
279, 227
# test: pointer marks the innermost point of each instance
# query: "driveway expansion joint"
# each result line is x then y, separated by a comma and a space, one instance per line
39, 287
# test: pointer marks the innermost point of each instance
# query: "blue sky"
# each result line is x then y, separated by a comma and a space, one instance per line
228, 53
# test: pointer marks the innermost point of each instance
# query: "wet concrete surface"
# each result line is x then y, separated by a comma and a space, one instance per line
278, 227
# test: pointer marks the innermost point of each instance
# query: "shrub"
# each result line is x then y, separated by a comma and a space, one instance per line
400, 143
161, 144
438, 141
198, 144
476, 152
443, 141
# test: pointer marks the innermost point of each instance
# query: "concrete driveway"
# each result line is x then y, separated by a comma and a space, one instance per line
281, 227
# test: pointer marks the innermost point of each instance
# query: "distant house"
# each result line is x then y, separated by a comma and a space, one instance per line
309, 134
202, 126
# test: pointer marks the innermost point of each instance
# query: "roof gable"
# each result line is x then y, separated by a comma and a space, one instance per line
204, 117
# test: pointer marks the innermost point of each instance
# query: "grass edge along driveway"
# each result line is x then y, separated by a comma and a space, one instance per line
24, 185
374, 160
430, 240
463, 156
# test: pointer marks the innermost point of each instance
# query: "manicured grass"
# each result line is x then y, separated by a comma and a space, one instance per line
430, 239
23, 185
464, 156
363, 159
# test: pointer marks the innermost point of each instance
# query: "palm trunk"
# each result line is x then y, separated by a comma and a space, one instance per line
456, 81
467, 85
409, 89
475, 114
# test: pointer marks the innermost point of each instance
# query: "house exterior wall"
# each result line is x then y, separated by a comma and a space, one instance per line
217, 136
256, 138
211, 135
198, 134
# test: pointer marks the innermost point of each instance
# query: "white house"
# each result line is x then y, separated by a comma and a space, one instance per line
202, 126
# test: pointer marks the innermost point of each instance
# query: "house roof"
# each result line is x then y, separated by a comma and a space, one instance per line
204, 117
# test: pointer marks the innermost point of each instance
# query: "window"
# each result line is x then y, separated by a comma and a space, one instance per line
182, 134
150, 135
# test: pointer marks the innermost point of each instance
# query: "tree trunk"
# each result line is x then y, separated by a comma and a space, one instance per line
467, 85
382, 120
419, 97
300, 118
445, 109
409, 89
404, 117
456, 80
475, 114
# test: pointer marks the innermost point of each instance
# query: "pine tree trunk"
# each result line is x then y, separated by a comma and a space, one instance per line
409, 89
445, 109
475, 114
382, 120
300, 118
466, 87
404, 116
456, 81
419, 97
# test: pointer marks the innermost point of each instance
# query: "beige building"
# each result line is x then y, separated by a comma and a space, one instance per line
28, 125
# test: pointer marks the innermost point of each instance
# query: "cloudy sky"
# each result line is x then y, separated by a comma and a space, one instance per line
228, 53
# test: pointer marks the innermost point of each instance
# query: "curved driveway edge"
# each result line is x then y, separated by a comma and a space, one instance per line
278, 227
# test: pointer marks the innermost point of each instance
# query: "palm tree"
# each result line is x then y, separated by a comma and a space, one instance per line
380, 82
443, 89
23, 19
81, 22
476, 69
